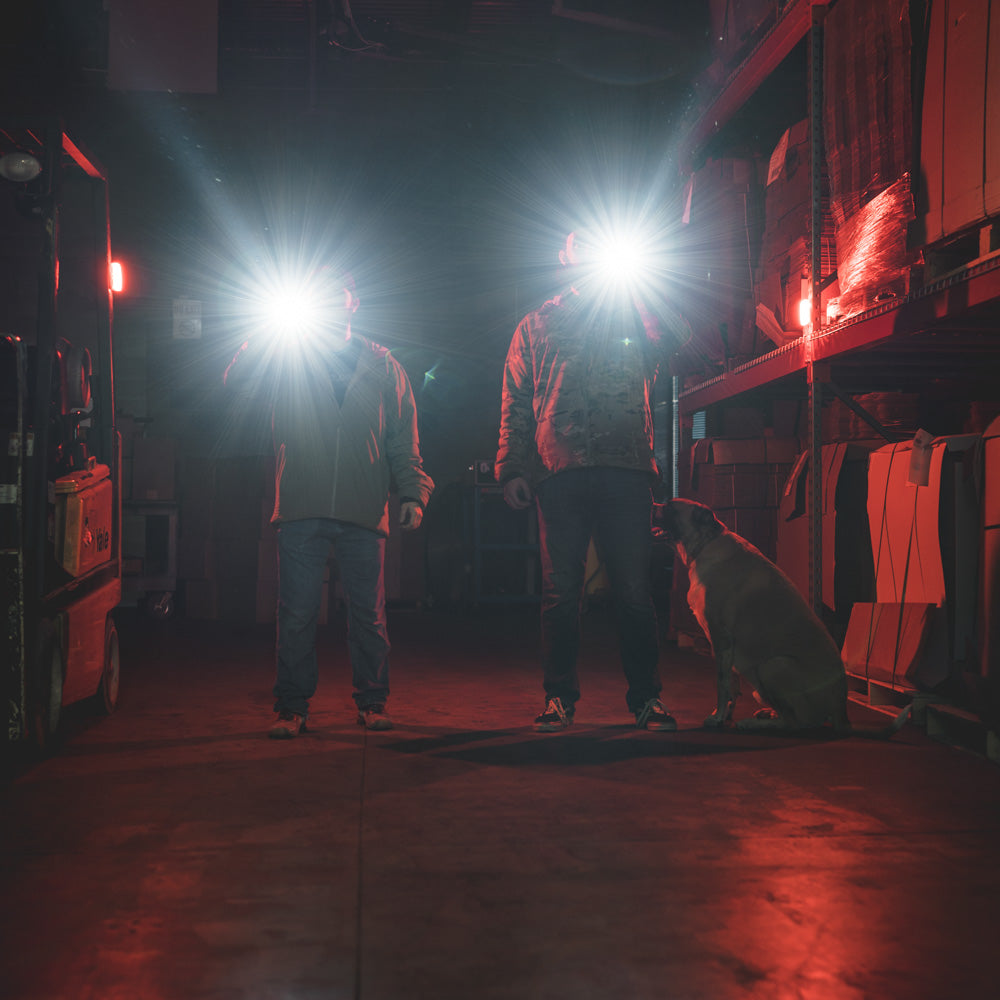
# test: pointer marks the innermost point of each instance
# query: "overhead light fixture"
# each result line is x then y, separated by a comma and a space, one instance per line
19, 167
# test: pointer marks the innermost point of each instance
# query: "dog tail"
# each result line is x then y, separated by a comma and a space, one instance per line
884, 732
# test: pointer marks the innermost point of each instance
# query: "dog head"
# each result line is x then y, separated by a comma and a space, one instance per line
688, 526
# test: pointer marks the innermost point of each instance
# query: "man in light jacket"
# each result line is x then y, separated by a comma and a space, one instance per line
345, 432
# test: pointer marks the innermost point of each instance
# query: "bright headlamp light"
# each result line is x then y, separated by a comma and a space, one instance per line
291, 311
618, 259
614, 261
295, 310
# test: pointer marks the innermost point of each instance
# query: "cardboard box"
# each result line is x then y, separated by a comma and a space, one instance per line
960, 146
785, 254
727, 472
926, 538
867, 105
904, 521
873, 257
721, 486
848, 574
724, 451
896, 644
781, 450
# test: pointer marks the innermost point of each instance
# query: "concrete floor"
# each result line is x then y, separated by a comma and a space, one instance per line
173, 852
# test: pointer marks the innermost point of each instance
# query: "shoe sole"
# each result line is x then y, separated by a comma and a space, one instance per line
659, 728
285, 734
552, 727
380, 726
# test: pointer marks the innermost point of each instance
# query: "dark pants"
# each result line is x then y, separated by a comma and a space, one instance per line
613, 506
303, 550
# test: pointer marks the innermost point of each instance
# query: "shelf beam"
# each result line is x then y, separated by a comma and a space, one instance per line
790, 28
951, 297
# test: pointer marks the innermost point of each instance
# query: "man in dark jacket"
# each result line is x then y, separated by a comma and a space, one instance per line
576, 438
345, 429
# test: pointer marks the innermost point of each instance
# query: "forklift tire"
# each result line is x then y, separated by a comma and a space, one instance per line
107, 693
46, 707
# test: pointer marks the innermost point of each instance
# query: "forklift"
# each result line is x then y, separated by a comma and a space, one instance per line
60, 487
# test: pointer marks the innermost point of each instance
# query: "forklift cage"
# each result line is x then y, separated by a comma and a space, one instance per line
60, 492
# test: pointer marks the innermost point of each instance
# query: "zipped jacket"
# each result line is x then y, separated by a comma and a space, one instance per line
345, 433
577, 386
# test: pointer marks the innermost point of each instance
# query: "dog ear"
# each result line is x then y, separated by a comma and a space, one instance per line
703, 516
705, 520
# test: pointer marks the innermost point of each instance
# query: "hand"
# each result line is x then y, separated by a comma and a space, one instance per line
410, 515
518, 493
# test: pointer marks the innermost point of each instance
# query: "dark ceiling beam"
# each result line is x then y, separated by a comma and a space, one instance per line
791, 27
559, 9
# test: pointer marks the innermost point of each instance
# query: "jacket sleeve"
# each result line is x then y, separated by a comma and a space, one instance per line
516, 451
402, 439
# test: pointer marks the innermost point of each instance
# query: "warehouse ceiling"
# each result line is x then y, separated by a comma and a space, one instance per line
448, 145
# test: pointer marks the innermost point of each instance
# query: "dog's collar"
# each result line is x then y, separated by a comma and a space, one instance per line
693, 554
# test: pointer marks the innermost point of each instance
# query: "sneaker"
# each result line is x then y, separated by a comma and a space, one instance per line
554, 718
287, 725
655, 717
374, 717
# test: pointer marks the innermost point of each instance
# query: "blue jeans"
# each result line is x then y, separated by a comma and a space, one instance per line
303, 549
613, 506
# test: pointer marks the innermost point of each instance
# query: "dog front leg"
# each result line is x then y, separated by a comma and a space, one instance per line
726, 691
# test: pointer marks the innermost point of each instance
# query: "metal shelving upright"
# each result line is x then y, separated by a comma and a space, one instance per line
946, 322
917, 323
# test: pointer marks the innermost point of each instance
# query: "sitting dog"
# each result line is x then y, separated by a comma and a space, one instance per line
759, 625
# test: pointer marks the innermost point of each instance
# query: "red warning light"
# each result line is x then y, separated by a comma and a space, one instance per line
805, 312
117, 276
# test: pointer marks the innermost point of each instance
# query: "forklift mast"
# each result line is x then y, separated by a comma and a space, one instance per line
60, 507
